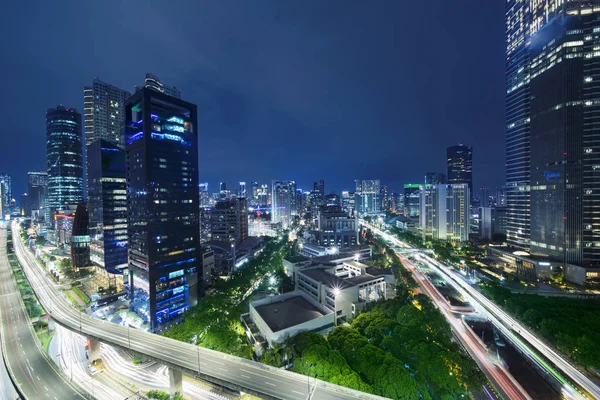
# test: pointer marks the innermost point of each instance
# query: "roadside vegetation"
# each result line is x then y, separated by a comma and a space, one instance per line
571, 325
215, 322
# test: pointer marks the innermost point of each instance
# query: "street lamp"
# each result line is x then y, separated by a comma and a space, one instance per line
336, 292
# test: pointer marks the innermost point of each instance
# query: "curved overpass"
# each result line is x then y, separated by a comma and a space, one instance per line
220, 368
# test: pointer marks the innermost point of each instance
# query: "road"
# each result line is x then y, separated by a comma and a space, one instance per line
188, 357
504, 382
7, 390
33, 372
120, 374
514, 331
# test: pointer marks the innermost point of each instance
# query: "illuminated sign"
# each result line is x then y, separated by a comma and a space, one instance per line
551, 175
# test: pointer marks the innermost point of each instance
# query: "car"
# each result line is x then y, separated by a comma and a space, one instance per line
92, 370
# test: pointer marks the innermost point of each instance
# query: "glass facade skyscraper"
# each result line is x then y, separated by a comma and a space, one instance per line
107, 201
460, 165
283, 202
6, 197
552, 114
163, 207
368, 196
64, 159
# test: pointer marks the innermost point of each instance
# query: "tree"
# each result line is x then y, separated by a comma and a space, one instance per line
40, 241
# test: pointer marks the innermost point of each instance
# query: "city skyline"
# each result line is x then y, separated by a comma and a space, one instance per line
245, 101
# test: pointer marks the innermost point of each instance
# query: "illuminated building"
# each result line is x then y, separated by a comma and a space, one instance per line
104, 112
162, 205
107, 201
229, 220
254, 194
152, 82
412, 200
435, 178
348, 202
37, 183
552, 114
80, 238
335, 228
317, 195
445, 211
367, 196
6, 197
460, 165
283, 203
332, 200
64, 159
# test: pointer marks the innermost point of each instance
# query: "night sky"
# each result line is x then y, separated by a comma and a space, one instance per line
302, 90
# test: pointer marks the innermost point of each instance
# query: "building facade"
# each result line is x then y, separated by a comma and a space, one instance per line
283, 203
368, 196
64, 159
412, 200
229, 220
435, 178
6, 197
107, 201
162, 205
460, 165
104, 112
336, 228
445, 212
37, 183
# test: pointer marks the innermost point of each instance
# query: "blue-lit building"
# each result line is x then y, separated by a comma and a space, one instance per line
107, 201
64, 159
552, 117
163, 205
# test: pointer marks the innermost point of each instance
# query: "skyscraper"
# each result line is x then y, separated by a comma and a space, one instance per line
107, 205
37, 183
283, 202
64, 159
229, 220
152, 82
254, 193
460, 165
368, 196
318, 195
435, 178
445, 211
242, 192
104, 112
6, 197
552, 112
162, 203
412, 200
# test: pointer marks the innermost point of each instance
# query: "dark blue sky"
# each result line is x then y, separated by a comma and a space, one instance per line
302, 90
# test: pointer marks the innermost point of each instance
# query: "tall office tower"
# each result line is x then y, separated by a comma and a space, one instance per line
348, 202
501, 197
460, 165
104, 112
484, 197
368, 196
400, 203
80, 238
445, 211
242, 191
152, 82
64, 158
253, 193
283, 202
552, 112
229, 220
223, 193
435, 178
318, 195
107, 206
162, 205
385, 198
336, 228
333, 200
36, 192
263, 195
6, 197
1, 202
412, 200
204, 195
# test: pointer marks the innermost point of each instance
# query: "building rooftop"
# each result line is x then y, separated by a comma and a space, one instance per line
322, 276
357, 265
296, 259
289, 312
379, 271
360, 279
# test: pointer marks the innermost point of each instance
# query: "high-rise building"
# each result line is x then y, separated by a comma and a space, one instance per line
445, 211
283, 202
460, 165
6, 197
152, 82
386, 200
64, 159
263, 195
368, 196
242, 191
162, 205
104, 112
552, 112
204, 195
1, 202
317, 195
501, 197
229, 220
348, 202
254, 193
80, 238
484, 197
332, 200
37, 183
412, 200
107, 205
435, 178
336, 228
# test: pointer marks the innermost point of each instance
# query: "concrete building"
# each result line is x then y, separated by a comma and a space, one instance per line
367, 196
492, 222
412, 200
445, 212
229, 220
37, 183
335, 228
208, 264
6, 198
284, 203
